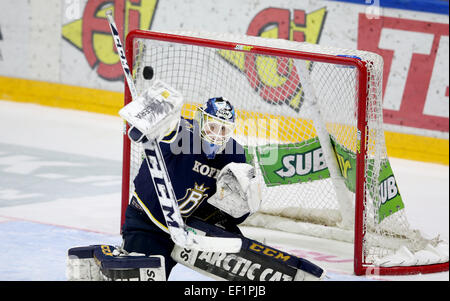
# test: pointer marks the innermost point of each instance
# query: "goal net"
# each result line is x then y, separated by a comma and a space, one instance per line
310, 120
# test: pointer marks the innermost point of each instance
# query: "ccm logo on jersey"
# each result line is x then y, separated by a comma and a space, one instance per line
269, 252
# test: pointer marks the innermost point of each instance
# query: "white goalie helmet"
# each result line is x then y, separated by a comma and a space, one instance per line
216, 121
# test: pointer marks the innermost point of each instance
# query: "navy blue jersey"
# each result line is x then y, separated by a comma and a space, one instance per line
192, 174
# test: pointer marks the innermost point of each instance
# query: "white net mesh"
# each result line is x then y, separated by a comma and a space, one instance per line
276, 99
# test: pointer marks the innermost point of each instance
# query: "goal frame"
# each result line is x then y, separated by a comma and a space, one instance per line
360, 268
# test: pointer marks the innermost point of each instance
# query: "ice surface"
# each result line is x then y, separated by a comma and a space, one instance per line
60, 174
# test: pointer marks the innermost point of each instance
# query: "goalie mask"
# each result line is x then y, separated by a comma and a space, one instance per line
216, 125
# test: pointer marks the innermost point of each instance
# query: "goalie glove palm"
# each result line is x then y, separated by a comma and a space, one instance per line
155, 112
238, 192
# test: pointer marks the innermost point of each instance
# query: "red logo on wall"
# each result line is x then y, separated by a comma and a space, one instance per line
276, 79
412, 56
91, 34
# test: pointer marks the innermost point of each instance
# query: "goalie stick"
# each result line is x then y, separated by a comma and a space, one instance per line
179, 233
255, 262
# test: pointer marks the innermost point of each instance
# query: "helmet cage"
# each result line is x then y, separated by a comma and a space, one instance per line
213, 129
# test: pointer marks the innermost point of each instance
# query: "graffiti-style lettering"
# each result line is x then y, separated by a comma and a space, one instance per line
91, 34
276, 79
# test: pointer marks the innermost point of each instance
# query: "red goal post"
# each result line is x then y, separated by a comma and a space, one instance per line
366, 97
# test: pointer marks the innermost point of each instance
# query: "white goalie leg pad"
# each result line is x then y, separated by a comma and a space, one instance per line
81, 265
108, 263
238, 191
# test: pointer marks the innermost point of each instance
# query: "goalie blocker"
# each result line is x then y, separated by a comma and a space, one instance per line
255, 261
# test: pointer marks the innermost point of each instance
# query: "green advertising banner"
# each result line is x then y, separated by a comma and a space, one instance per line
388, 199
294, 163
304, 162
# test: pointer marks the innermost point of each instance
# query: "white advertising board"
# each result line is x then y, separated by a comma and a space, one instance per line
69, 42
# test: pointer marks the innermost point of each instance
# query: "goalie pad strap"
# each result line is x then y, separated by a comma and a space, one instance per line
107, 260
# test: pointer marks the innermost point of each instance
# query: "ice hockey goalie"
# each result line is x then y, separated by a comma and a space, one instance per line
215, 189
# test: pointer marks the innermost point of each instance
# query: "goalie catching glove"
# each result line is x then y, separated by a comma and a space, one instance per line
238, 192
154, 113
